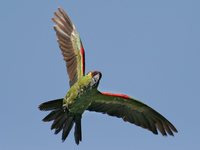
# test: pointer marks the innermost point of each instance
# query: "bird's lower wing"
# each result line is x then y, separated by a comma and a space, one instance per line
133, 111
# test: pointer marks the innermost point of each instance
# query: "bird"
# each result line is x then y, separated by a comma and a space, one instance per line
84, 95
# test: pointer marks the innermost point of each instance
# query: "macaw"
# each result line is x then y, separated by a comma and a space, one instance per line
84, 94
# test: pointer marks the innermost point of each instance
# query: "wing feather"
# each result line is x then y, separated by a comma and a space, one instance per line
70, 44
133, 111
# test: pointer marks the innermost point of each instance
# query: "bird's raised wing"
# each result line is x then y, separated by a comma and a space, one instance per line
133, 111
70, 44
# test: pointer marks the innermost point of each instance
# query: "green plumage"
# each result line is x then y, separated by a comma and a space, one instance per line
78, 98
83, 94
68, 111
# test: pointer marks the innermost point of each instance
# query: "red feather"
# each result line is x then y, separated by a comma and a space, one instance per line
117, 95
83, 59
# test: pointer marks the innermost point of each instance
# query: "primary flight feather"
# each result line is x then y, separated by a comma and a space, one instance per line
84, 95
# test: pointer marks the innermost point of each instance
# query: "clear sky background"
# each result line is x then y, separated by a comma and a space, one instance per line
148, 49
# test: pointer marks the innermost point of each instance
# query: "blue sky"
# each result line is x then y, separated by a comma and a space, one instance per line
147, 49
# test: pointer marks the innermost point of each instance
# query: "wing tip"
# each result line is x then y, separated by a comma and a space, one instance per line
60, 9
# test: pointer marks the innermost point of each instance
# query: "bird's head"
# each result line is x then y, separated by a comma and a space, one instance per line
95, 78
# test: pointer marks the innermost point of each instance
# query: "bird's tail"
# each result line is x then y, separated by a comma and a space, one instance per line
62, 119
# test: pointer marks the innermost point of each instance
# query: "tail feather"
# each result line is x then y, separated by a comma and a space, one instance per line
51, 105
67, 126
56, 123
63, 120
52, 115
77, 132
60, 125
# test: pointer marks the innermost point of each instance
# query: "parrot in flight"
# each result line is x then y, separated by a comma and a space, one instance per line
84, 95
